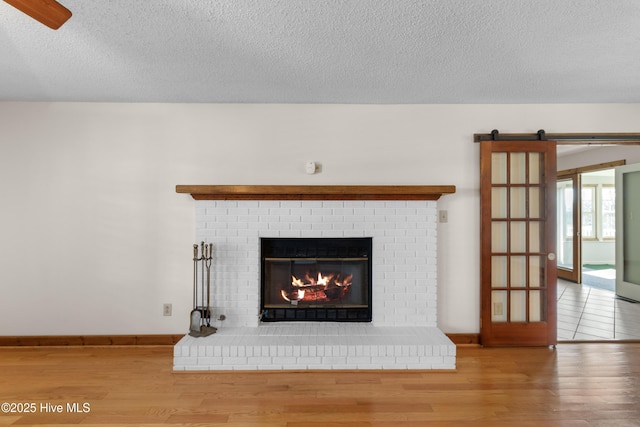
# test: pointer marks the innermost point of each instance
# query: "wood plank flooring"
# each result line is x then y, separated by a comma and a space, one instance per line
589, 384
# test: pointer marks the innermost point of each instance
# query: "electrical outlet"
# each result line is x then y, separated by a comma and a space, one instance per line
166, 310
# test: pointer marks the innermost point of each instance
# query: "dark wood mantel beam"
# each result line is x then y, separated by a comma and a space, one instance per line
316, 192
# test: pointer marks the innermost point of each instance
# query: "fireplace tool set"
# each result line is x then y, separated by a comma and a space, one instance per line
201, 313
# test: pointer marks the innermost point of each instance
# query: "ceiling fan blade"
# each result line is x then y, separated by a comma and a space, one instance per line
49, 12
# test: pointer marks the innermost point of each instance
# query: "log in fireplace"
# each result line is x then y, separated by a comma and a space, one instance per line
316, 279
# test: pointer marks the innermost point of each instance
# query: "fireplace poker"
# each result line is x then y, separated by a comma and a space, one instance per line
204, 309
195, 276
207, 262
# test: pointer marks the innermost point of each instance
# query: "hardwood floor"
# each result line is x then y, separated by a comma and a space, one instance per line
574, 385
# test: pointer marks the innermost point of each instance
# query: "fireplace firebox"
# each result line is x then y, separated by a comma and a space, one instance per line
316, 279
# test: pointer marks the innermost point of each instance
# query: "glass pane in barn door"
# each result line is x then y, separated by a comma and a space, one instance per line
518, 244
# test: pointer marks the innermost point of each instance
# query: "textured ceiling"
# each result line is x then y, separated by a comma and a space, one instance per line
326, 51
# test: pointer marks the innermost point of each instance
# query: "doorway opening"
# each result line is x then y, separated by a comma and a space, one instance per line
586, 226
588, 307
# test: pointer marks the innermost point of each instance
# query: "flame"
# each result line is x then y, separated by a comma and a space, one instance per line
345, 282
324, 280
296, 295
324, 288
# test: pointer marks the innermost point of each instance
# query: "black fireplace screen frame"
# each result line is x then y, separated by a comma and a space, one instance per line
299, 251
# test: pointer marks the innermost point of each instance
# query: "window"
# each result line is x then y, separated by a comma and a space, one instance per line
565, 200
608, 211
598, 201
589, 218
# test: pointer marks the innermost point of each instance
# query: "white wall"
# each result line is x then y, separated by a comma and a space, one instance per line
94, 238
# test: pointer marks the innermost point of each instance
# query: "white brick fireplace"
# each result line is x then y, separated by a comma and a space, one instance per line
403, 333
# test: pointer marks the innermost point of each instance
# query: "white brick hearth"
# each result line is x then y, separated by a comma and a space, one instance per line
403, 334
328, 345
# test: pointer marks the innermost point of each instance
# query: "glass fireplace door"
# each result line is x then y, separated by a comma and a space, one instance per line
332, 285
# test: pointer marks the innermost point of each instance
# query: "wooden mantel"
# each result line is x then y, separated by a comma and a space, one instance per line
316, 192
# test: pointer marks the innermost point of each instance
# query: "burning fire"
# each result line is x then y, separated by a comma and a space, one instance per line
327, 288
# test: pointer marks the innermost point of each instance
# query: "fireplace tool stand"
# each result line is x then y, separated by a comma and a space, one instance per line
201, 314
